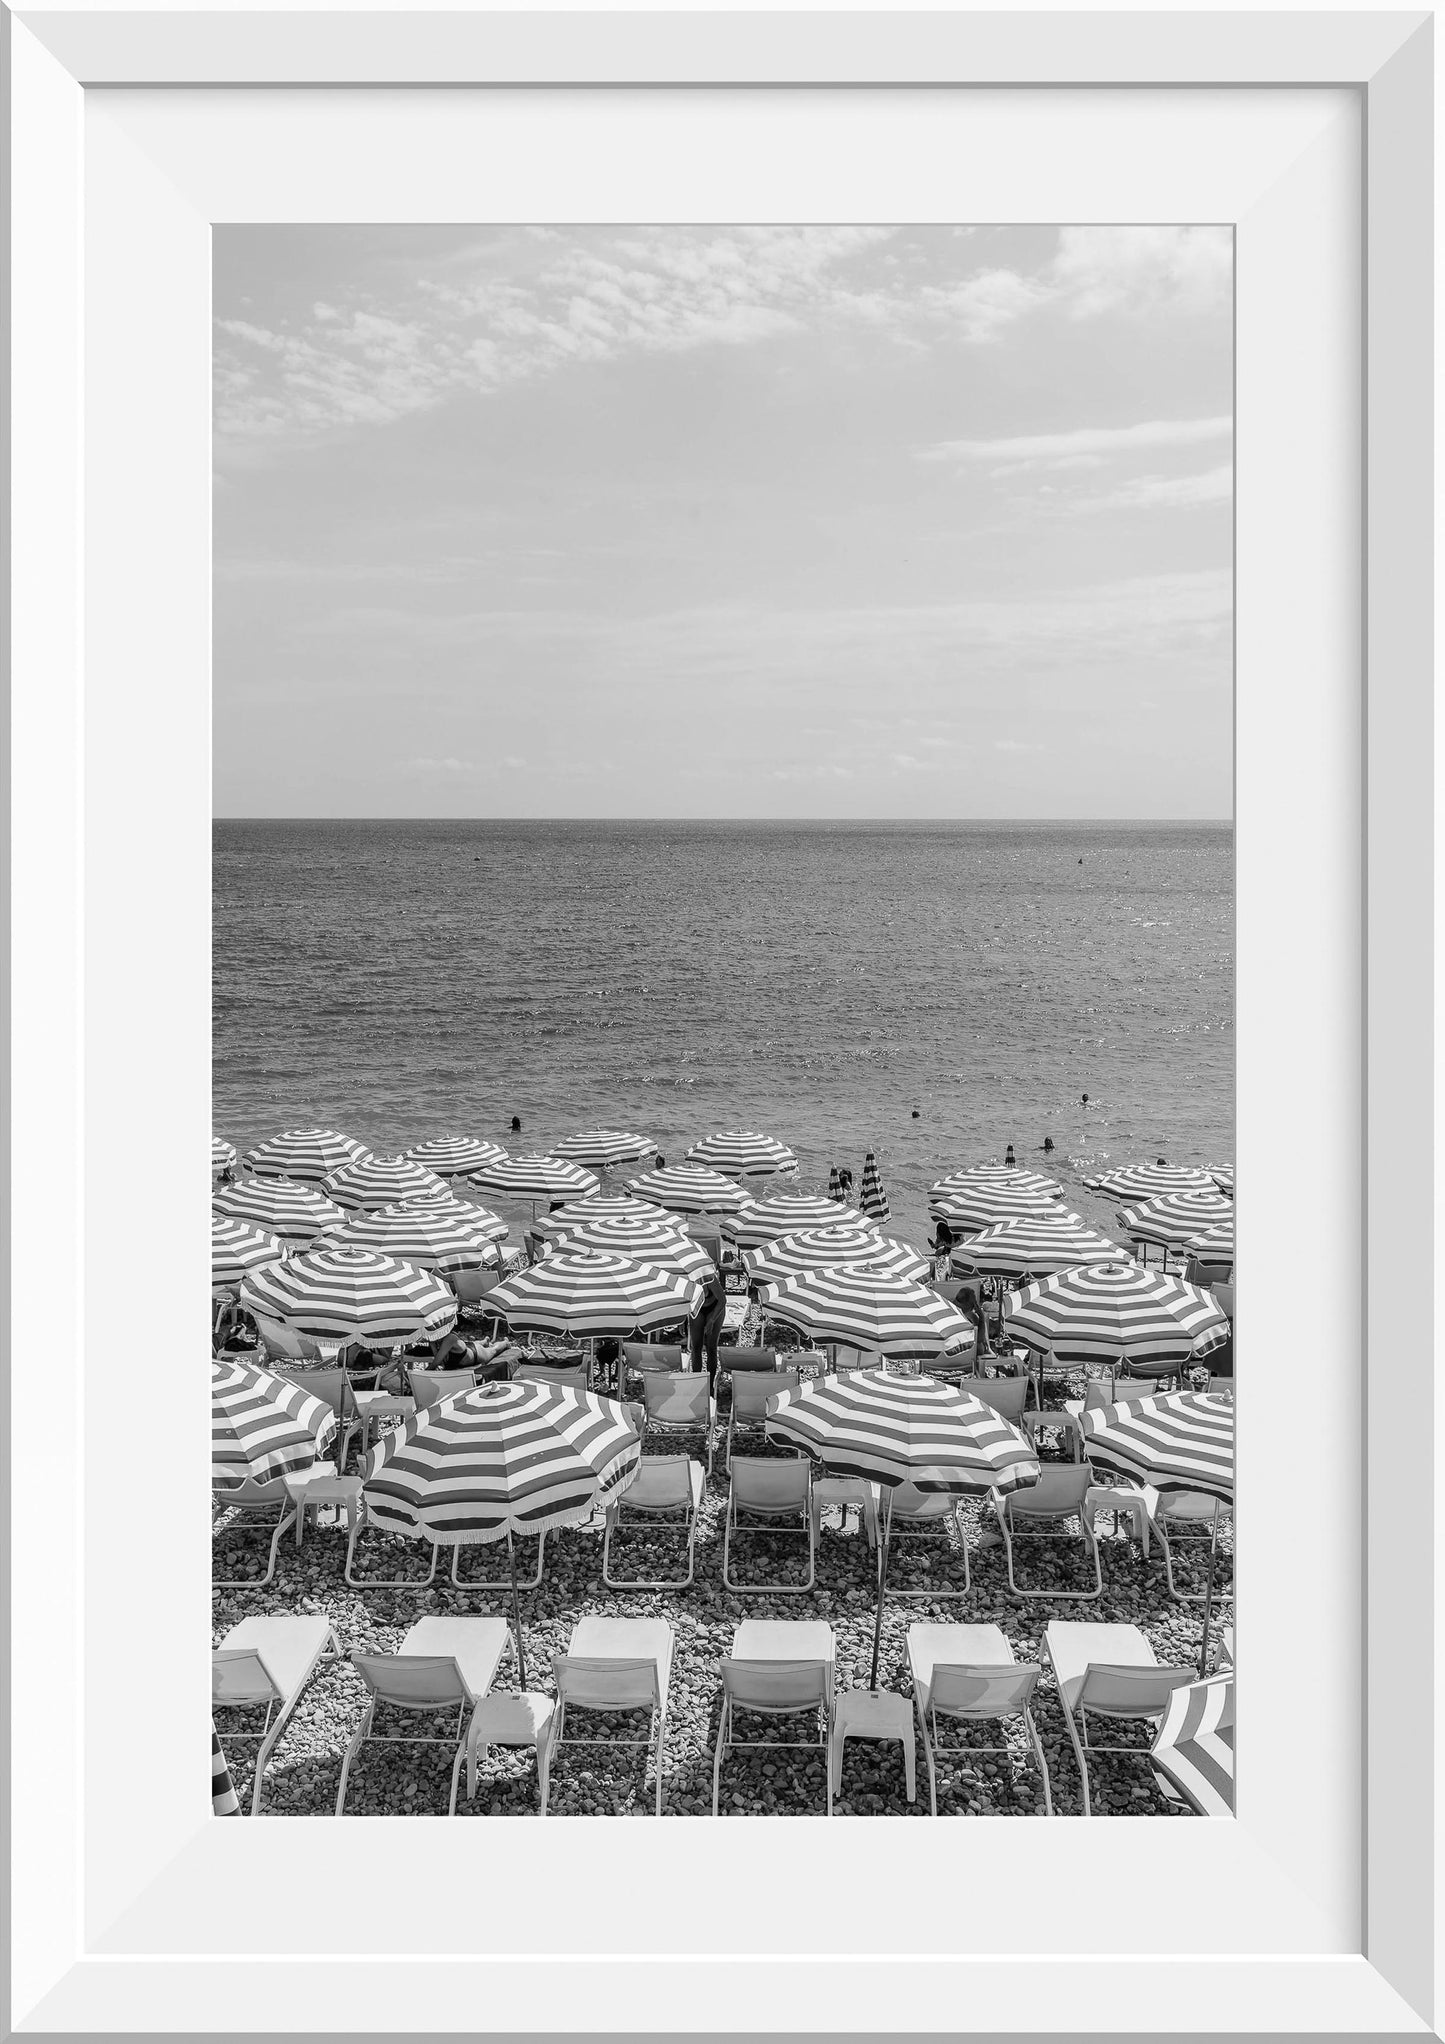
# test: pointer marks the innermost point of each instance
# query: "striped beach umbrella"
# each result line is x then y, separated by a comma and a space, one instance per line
432, 1237
603, 1147
1194, 1746
1110, 1313
1177, 1218
1216, 1244
380, 1182
821, 1248
308, 1156
503, 1459
872, 1199
691, 1189
661, 1243
743, 1153
238, 1246
453, 1156
1223, 1176
223, 1156
590, 1292
343, 1295
893, 1430
535, 1177
862, 1306
1033, 1245
1141, 1182
262, 1425
786, 1213
224, 1800
297, 1213
987, 1203
602, 1206
442, 1200
1013, 1176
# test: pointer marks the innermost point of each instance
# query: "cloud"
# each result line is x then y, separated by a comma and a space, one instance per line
983, 305
1082, 445
438, 766
1162, 493
1142, 269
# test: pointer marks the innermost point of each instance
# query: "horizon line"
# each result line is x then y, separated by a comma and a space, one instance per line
1198, 822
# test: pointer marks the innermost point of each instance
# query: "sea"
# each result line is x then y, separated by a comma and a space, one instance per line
931, 991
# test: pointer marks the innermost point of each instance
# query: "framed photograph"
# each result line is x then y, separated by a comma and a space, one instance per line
638, 653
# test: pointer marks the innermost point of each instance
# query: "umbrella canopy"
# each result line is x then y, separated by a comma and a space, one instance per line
987, 1203
261, 1425
821, 1248
349, 1294
1223, 1176
1035, 1244
308, 1156
862, 1305
872, 1199
1113, 1312
1194, 1746
1151, 1181
536, 1177
587, 1291
1013, 1176
453, 1156
1177, 1218
581, 1213
1216, 1244
1180, 1441
238, 1246
743, 1153
434, 1237
223, 1156
787, 1213
660, 1243
297, 1213
604, 1147
691, 1189
441, 1200
380, 1182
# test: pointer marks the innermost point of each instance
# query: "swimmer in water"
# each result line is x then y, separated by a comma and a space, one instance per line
516, 1124
1048, 1142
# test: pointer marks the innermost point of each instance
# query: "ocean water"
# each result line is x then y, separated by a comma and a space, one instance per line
820, 982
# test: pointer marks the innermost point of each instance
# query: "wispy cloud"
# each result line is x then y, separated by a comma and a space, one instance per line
1082, 443
1163, 493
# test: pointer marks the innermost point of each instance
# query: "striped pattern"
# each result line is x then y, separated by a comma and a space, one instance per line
505, 1458
987, 1205
660, 1242
1176, 1218
261, 1425
296, 1213
691, 1189
536, 1178
786, 1214
1012, 1177
1035, 1245
1194, 1746
453, 1156
872, 1198
380, 1182
821, 1248
1216, 1244
1181, 1441
742, 1153
223, 1156
604, 1147
434, 1237
1151, 1181
581, 1213
224, 1800
349, 1294
585, 1291
441, 1200
309, 1156
864, 1307
893, 1430
238, 1246
1112, 1312
1223, 1176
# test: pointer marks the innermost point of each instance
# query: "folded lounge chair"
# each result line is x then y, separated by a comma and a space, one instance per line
443, 1664
968, 1672
1112, 1671
268, 1659
613, 1664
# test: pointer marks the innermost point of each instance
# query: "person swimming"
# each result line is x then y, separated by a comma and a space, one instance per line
516, 1124
1048, 1142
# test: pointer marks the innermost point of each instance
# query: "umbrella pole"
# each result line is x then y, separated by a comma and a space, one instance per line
1209, 1591
883, 1532
516, 1613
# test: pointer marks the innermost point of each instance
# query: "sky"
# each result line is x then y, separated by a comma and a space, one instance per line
723, 521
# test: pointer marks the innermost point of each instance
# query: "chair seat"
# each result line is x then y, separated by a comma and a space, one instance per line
784, 1639
475, 1644
954, 1646
598, 1638
1073, 1647
289, 1644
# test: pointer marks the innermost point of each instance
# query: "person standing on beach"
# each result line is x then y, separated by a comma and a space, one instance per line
705, 1325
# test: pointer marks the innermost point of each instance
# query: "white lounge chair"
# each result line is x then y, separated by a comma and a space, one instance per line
969, 1672
442, 1664
664, 1486
268, 1659
613, 1664
1041, 1513
1112, 1671
271, 1504
680, 1402
777, 1490
779, 1668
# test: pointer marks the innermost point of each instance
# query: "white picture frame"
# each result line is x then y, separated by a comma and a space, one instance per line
131, 135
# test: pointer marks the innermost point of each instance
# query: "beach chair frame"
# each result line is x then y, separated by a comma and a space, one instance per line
416, 1665
654, 1509
1162, 1519
1125, 1690
765, 1480
361, 1518
602, 1684
1080, 1478
775, 1689
269, 1734
753, 1388
498, 1582
1004, 1691
905, 1530
251, 1499
663, 1387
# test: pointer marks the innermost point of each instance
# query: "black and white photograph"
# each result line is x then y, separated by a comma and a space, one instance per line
723, 1057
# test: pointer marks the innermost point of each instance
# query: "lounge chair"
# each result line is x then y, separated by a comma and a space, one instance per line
567, 1376
681, 1402
844, 1491
268, 1659
1112, 1671
924, 1518
1039, 1514
1186, 1519
360, 1409
502, 1579
613, 1664
777, 1489
272, 1504
442, 1664
650, 1358
969, 1672
430, 1387
779, 1668
751, 1393
359, 1523
664, 1486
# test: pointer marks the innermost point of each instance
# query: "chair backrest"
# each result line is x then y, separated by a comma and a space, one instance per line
327, 1385
1059, 1490
430, 1387
574, 1374
645, 1356
744, 1360
472, 1286
413, 1681
239, 1676
662, 1481
772, 1483
1124, 1692
270, 1490
286, 1342
776, 1685
606, 1684
1224, 1298
1003, 1395
908, 1502
1097, 1397
960, 1690
1187, 1507
752, 1391
680, 1399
